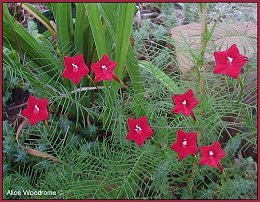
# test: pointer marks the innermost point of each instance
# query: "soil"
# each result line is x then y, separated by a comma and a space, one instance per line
14, 105
22, 15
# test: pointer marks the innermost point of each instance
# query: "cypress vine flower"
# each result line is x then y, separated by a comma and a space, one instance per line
184, 103
139, 130
75, 68
36, 110
104, 69
229, 62
185, 144
211, 155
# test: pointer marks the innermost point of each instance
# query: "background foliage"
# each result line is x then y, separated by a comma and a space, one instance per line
87, 128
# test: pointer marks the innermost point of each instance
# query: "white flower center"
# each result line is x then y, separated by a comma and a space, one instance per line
138, 129
184, 102
184, 142
104, 67
230, 59
75, 67
36, 109
211, 153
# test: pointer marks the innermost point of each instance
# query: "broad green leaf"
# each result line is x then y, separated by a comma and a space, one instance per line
81, 24
109, 16
96, 28
124, 30
63, 19
15, 36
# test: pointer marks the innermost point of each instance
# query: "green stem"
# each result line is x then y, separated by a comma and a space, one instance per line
241, 84
89, 77
198, 130
47, 127
204, 41
194, 171
119, 81
220, 167
157, 144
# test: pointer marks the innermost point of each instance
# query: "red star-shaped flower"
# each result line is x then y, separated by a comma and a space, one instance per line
184, 104
36, 110
75, 68
139, 130
104, 69
229, 62
212, 155
185, 144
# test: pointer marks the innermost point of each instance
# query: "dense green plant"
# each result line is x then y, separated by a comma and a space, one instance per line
87, 129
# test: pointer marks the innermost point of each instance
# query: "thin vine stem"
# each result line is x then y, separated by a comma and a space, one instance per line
241, 84
157, 144
204, 41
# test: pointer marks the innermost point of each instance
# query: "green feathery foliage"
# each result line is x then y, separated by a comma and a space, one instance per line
87, 128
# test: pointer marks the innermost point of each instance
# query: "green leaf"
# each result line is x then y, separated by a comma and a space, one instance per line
136, 82
161, 76
96, 28
131, 61
106, 9
14, 35
124, 30
63, 19
81, 24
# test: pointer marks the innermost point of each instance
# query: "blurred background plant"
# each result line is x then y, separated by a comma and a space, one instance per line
163, 54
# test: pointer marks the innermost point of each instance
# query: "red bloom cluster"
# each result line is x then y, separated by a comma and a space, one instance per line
229, 62
185, 145
75, 69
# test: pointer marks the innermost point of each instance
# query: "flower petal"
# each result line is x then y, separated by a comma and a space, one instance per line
233, 51
220, 57
79, 59
188, 94
139, 141
130, 136
111, 66
31, 102
220, 69
108, 77
66, 73
34, 119
67, 63
26, 113
131, 124
105, 58
234, 73
76, 78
